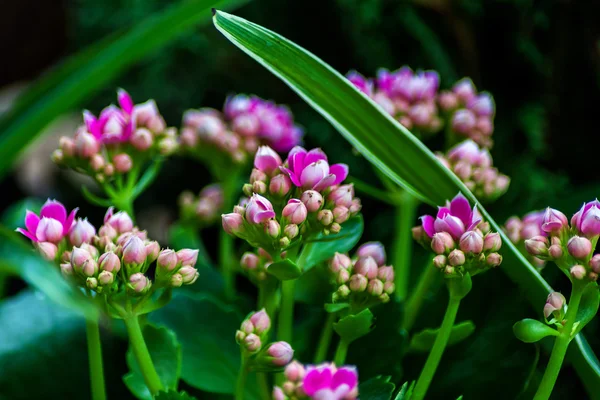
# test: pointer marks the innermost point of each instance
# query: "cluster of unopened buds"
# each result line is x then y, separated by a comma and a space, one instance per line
245, 123
410, 97
473, 165
120, 139
364, 280
319, 382
462, 241
256, 264
300, 197
118, 255
519, 230
470, 114
570, 246
252, 337
204, 208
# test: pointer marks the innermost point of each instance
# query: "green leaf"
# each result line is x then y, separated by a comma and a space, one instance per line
148, 177
588, 308
405, 391
285, 270
335, 307
205, 327
531, 330
423, 341
386, 144
83, 74
354, 326
165, 352
323, 247
378, 388
173, 395
17, 258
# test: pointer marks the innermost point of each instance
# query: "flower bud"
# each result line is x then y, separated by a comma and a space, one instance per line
109, 262
456, 258
342, 196
278, 354
188, 274
67, 146
578, 271
579, 247
252, 343
340, 261
294, 372
86, 144
81, 232
49, 230
355, 207
537, 246
121, 221
366, 266
278, 393
554, 302
48, 250
108, 231
313, 201
176, 280
493, 259
261, 321
267, 160
139, 283
471, 242
91, 283
167, 146
187, 256
341, 214
106, 278
358, 283
335, 228
272, 228
257, 176
492, 242
259, 187
343, 276
418, 233
122, 162
280, 185
134, 253
325, 217
167, 260
374, 250
97, 162
344, 291
66, 269
291, 231
595, 263
463, 121
142, 139
386, 274
233, 223
295, 211
152, 250
249, 261
442, 242
554, 221
439, 261
79, 258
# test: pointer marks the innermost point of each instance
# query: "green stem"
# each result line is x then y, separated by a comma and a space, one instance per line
458, 288
405, 220
241, 380
140, 351
340, 353
95, 359
560, 345
267, 297
417, 297
325, 340
286, 314
263, 385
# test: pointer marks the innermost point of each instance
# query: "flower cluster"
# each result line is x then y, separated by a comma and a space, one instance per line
519, 230
324, 381
300, 197
410, 97
473, 166
364, 280
204, 209
555, 307
462, 241
470, 114
256, 264
118, 140
115, 258
570, 246
245, 123
252, 335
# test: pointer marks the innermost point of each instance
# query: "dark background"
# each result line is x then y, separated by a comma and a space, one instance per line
539, 59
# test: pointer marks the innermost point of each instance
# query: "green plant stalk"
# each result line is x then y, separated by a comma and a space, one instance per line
340, 353
140, 351
458, 288
241, 379
95, 359
267, 297
561, 345
325, 339
286, 313
417, 297
263, 386
403, 242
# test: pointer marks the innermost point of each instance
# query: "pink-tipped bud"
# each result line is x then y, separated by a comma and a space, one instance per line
291, 231
259, 187
258, 176
97, 162
295, 211
442, 243
343, 291
188, 274
366, 266
579, 247
325, 217
152, 250
439, 261
90, 249
91, 283
418, 233
279, 354
267, 160
252, 343
342, 196
247, 327
142, 139
578, 271
134, 252
176, 280
493, 259
167, 260
67, 146
86, 145
537, 246
261, 321
341, 214
48, 250
109, 262
294, 372
272, 228
456, 258
554, 302
81, 232
278, 393
66, 269
555, 251
139, 283
187, 256
121, 221
492, 242
463, 121
554, 221
463, 170
106, 278
358, 283
79, 258
108, 231
249, 261
49, 230
122, 162
280, 185
355, 207
388, 288
339, 261
375, 287
447, 101
167, 146
595, 263
386, 274
471, 242
312, 200
342, 276
233, 223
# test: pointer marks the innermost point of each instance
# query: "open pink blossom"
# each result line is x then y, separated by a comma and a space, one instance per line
310, 169
455, 218
587, 219
52, 225
259, 209
326, 382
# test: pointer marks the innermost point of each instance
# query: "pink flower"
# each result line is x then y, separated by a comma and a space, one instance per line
259, 209
587, 219
52, 225
310, 169
470, 152
455, 218
328, 382
554, 221
267, 160
363, 84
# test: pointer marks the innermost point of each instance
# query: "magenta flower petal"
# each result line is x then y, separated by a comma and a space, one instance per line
292, 176
460, 207
125, 101
90, 121
476, 218
263, 216
427, 222
314, 155
324, 183
54, 209
451, 225
27, 234
442, 212
292, 159
31, 221
317, 379
69, 222
345, 376
313, 173
340, 171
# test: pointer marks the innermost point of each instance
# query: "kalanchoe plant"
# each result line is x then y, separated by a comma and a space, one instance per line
204, 209
519, 230
473, 166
